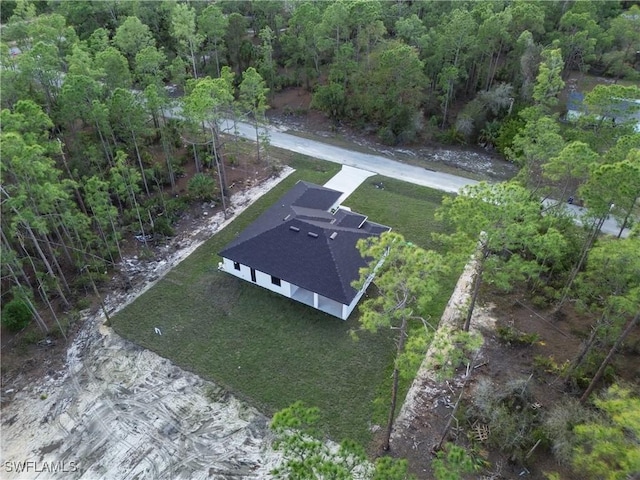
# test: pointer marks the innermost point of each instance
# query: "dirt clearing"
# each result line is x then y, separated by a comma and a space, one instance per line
119, 411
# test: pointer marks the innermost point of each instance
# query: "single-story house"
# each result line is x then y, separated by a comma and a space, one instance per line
304, 247
621, 111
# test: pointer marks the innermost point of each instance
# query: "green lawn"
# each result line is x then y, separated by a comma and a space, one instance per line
265, 348
409, 209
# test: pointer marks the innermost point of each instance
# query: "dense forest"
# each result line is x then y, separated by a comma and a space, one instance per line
106, 103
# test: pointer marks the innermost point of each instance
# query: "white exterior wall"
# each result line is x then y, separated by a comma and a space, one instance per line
347, 309
286, 288
262, 279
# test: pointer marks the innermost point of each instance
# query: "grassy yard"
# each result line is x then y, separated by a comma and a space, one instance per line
405, 207
265, 348
409, 209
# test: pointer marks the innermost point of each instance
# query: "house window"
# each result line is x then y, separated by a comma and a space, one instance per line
275, 280
236, 265
253, 274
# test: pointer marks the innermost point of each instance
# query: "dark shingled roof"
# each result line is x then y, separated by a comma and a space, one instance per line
316, 262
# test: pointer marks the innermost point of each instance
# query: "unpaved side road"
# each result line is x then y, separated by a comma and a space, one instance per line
117, 411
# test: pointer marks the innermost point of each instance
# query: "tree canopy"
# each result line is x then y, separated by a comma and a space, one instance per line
91, 155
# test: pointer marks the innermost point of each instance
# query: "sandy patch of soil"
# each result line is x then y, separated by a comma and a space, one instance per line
119, 411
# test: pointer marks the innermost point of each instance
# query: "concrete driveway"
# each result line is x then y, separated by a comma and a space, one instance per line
347, 180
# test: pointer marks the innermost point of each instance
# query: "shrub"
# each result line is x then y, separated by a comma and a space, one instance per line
489, 134
452, 349
16, 315
513, 336
452, 463
147, 158
173, 130
61, 328
544, 364
160, 174
386, 136
93, 274
582, 375
145, 253
510, 413
32, 337
471, 119
174, 207
451, 136
287, 111
201, 187
539, 301
177, 165
558, 427
162, 226
508, 130
82, 303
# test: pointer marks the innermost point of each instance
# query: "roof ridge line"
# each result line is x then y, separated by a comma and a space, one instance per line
335, 267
